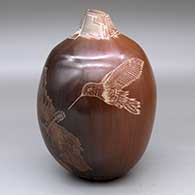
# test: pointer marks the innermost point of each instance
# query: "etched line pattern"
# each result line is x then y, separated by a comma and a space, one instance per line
102, 26
63, 143
111, 88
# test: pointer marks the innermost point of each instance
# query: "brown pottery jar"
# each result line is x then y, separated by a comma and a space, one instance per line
96, 100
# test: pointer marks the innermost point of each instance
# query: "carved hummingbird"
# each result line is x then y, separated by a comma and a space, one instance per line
111, 88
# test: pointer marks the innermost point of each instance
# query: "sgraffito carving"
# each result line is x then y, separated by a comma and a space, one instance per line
111, 88
64, 143
96, 25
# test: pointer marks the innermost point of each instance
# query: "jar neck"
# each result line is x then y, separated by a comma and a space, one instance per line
97, 25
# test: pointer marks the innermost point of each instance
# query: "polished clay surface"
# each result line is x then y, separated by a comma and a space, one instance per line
96, 100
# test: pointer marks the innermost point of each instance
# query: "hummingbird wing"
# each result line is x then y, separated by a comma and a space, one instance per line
124, 74
45, 105
68, 147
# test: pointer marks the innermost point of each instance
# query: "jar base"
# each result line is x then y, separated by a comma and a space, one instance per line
99, 178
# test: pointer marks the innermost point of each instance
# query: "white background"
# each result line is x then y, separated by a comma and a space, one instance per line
166, 31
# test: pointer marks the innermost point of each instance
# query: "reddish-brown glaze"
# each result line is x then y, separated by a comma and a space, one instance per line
109, 140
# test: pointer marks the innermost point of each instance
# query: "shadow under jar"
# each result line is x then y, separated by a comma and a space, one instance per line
96, 100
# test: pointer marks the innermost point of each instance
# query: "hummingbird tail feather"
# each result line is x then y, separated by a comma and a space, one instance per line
132, 106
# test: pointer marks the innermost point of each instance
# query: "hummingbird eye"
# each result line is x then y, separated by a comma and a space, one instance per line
89, 90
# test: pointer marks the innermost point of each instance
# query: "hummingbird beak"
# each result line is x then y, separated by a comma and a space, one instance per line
75, 102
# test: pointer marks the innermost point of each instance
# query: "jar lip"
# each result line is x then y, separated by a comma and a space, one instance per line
96, 24
95, 11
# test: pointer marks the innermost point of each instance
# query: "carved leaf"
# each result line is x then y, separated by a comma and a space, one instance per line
69, 147
63, 143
